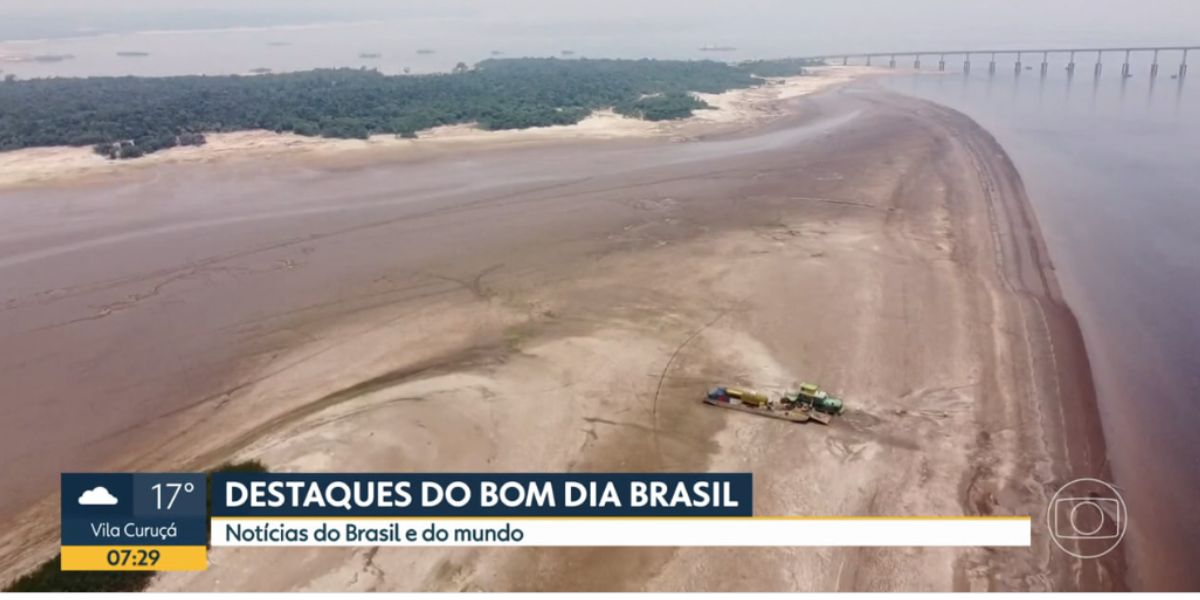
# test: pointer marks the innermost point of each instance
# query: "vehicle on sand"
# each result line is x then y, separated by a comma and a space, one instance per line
810, 403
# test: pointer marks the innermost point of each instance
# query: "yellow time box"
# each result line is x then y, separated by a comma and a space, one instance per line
134, 558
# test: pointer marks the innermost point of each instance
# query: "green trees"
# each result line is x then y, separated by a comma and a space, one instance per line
662, 107
126, 117
784, 67
49, 577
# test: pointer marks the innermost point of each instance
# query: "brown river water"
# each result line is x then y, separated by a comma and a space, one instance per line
1112, 168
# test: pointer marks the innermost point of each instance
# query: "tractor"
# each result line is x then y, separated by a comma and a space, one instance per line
812, 396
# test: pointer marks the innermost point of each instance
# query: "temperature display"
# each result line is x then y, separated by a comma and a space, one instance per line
173, 489
134, 521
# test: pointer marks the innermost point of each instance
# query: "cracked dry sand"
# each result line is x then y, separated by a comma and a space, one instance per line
527, 318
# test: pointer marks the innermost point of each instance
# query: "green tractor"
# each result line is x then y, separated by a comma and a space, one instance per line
812, 396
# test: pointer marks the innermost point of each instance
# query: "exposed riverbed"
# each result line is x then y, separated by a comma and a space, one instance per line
564, 307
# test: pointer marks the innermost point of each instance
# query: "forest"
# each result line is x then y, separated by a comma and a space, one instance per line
127, 117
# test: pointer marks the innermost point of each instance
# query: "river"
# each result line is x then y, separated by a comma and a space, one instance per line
1112, 167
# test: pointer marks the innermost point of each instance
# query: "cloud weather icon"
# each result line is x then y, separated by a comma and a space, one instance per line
97, 496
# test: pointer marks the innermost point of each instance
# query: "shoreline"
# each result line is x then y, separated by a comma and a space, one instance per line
507, 312
32, 167
1031, 269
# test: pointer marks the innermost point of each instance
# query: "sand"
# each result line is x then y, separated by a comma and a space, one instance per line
563, 307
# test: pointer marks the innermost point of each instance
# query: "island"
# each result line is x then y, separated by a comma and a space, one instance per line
154, 113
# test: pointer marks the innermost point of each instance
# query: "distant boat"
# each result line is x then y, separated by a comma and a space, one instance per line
51, 58
260, 71
712, 48
424, 51
369, 55
568, 52
133, 53
20, 58
496, 53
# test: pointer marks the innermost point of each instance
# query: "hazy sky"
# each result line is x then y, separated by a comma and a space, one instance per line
173, 37
833, 25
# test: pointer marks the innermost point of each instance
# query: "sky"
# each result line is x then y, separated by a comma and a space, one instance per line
823, 25
184, 37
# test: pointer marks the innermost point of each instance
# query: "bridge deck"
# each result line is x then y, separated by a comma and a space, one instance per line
1003, 51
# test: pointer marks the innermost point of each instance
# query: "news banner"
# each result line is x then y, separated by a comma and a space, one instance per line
168, 521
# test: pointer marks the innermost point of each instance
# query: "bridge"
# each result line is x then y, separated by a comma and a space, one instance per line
1018, 54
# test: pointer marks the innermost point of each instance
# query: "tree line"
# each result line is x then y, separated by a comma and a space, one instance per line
126, 117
